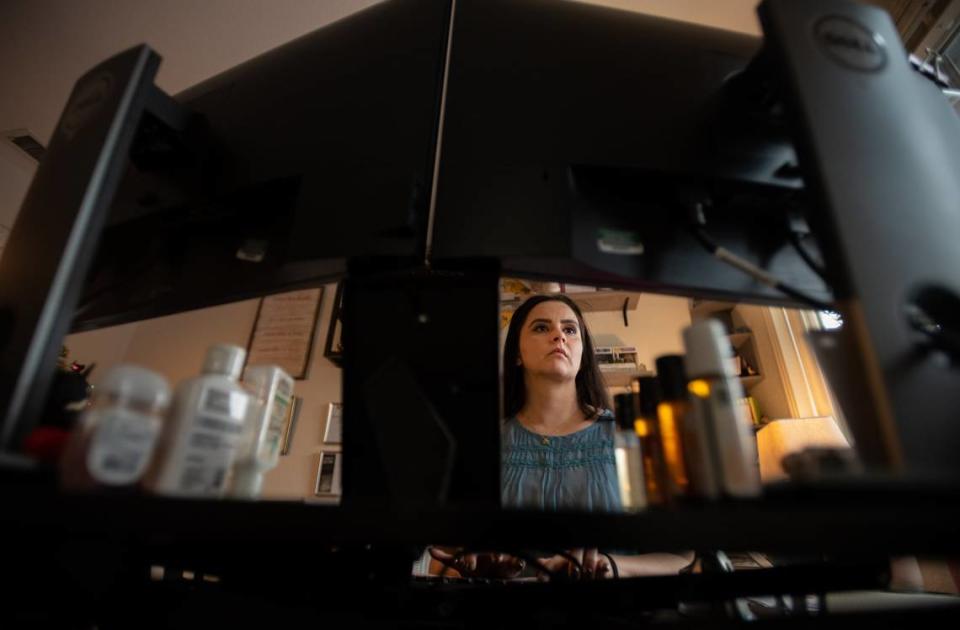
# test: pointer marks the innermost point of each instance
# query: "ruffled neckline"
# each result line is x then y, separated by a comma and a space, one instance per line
603, 417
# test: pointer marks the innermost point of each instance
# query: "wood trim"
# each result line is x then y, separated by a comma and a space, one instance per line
786, 365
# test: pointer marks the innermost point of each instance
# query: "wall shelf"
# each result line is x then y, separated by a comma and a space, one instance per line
620, 377
597, 301
590, 301
743, 341
701, 309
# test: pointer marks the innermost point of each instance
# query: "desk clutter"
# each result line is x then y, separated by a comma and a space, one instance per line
215, 435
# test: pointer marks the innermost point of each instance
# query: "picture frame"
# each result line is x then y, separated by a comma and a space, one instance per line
290, 425
333, 347
333, 430
283, 331
329, 471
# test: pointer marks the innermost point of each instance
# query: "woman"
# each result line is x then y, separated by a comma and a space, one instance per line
558, 436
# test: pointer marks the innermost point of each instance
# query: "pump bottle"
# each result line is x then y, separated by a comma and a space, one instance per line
207, 418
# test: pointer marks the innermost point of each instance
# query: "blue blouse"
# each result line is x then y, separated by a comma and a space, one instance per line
566, 472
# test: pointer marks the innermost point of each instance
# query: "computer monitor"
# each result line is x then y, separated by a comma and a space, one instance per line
578, 146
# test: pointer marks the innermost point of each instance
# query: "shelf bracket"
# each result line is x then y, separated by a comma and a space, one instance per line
626, 301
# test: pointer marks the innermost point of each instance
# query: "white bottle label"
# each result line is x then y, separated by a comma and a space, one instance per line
629, 461
278, 417
736, 445
121, 445
208, 450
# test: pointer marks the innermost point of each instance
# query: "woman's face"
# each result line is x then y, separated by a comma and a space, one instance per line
551, 342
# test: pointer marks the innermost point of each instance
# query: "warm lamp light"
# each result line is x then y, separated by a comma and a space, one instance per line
780, 438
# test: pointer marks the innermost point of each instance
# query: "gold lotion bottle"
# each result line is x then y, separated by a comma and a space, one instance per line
671, 415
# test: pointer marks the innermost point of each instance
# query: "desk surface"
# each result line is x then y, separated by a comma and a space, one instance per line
309, 562
866, 517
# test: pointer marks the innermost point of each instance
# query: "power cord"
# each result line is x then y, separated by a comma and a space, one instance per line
796, 240
573, 560
756, 272
698, 221
613, 565
537, 564
451, 564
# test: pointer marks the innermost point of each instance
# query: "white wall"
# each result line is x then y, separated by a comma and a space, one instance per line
46, 45
732, 15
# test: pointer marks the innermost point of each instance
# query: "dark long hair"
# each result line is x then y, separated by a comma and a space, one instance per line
591, 391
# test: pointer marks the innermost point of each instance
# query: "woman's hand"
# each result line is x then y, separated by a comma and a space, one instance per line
594, 565
484, 565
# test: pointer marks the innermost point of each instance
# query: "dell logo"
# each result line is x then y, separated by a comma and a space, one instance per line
850, 44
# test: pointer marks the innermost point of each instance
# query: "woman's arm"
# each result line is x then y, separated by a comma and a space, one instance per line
652, 564
596, 565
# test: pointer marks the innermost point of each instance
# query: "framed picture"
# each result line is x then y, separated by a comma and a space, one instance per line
328, 475
290, 425
333, 432
283, 331
333, 348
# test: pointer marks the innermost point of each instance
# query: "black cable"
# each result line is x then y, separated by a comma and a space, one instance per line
541, 567
613, 565
535, 562
800, 296
815, 266
755, 272
573, 560
449, 564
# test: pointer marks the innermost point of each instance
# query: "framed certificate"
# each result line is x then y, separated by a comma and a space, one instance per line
283, 331
333, 348
334, 428
328, 475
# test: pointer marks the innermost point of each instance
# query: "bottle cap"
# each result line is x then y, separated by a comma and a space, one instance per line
224, 359
708, 350
624, 408
135, 384
259, 379
672, 377
649, 396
